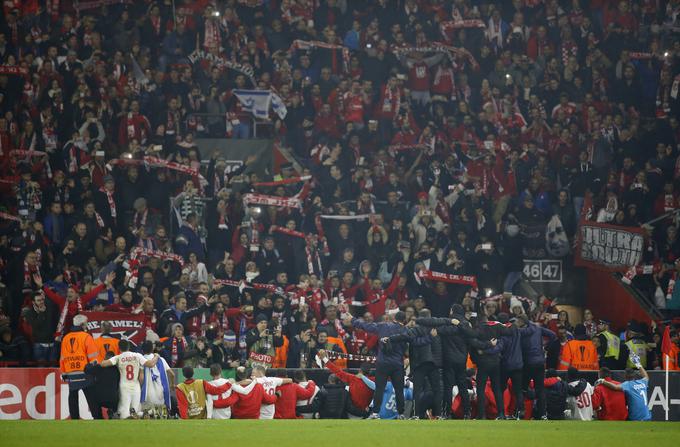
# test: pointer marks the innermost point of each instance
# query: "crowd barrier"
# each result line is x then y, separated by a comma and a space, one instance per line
39, 393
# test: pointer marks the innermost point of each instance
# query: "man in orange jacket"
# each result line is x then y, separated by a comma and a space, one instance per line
77, 350
579, 353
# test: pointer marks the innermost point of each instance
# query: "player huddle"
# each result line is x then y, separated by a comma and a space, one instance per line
145, 382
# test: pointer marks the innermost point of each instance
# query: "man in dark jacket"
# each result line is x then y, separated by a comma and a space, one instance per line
333, 399
425, 357
487, 355
557, 392
511, 362
390, 362
104, 389
453, 333
534, 359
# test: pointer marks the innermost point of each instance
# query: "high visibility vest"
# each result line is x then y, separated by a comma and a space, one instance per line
580, 354
638, 347
77, 350
613, 344
281, 357
195, 395
105, 344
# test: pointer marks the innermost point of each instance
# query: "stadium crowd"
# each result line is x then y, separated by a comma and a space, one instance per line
425, 136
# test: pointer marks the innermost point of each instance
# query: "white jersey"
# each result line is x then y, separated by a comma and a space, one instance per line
154, 387
218, 413
582, 405
302, 403
269, 384
129, 364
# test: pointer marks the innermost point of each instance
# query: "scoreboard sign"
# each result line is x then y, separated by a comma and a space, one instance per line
543, 270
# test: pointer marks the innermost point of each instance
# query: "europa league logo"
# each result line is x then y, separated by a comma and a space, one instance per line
72, 342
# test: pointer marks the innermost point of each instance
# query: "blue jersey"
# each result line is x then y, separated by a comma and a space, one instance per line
388, 409
636, 397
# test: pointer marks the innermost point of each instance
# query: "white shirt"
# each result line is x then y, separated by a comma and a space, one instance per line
129, 365
269, 384
582, 405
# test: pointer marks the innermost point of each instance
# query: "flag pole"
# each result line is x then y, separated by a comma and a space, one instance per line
668, 357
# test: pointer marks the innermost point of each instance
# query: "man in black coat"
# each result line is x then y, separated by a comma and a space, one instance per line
333, 399
425, 356
104, 389
454, 334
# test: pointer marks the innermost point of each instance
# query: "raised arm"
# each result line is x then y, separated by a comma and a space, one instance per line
368, 327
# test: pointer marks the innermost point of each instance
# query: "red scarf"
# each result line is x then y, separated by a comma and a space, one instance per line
450, 278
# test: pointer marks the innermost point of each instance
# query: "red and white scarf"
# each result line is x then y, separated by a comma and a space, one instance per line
285, 181
29, 273
9, 216
162, 255
62, 317
174, 354
450, 278
262, 199
112, 203
212, 34
243, 285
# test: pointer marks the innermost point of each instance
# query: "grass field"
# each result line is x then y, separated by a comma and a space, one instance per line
328, 433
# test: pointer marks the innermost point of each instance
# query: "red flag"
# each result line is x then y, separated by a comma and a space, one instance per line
666, 341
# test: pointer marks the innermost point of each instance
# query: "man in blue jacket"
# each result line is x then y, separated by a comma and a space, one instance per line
390, 361
510, 344
533, 357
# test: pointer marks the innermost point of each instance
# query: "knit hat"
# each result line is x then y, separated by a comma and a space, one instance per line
261, 317
229, 336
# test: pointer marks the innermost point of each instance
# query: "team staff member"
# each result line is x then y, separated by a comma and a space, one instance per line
360, 395
77, 350
390, 362
609, 404
191, 395
454, 333
533, 357
635, 387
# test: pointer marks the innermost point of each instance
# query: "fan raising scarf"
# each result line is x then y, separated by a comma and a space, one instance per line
310, 253
467, 280
310, 45
62, 317
112, 204
174, 356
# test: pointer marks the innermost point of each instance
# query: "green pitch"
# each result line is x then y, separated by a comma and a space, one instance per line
328, 433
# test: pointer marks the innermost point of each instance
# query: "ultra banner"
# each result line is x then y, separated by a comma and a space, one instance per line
608, 247
39, 393
125, 326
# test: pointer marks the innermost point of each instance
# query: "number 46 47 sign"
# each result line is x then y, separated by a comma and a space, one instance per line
543, 270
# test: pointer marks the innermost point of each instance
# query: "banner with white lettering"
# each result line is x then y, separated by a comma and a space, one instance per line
608, 247
125, 326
